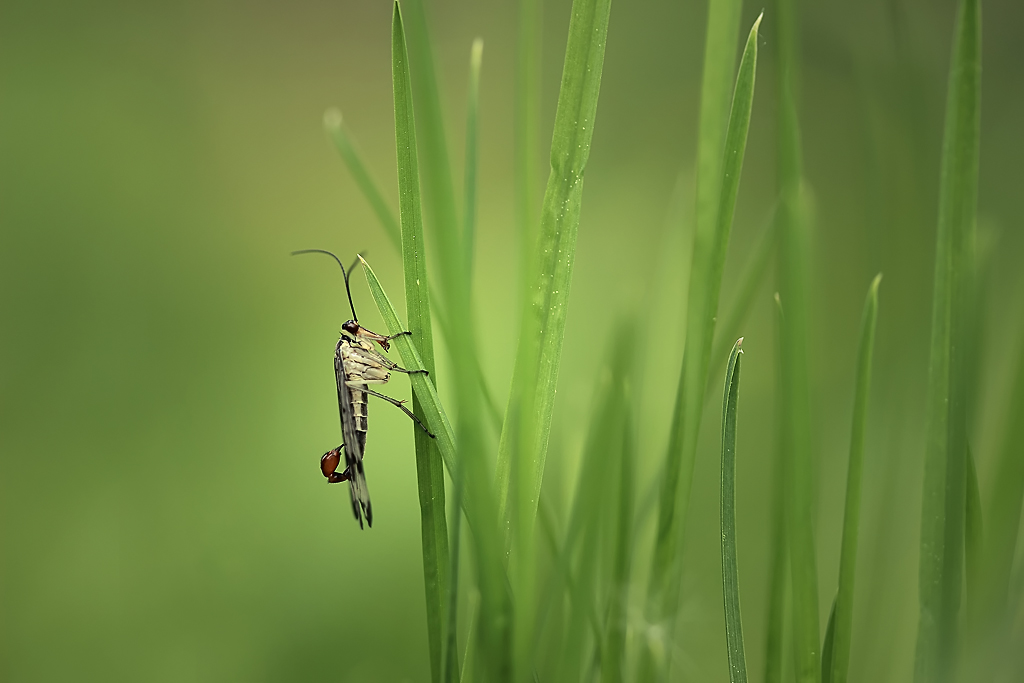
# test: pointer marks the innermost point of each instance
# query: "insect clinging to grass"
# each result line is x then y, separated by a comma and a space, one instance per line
357, 364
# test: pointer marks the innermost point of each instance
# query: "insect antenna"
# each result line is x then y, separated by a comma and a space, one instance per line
344, 272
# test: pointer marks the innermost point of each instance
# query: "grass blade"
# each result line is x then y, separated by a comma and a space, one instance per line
730, 568
438, 189
614, 652
543, 326
793, 266
705, 284
495, 606
778, 582
472, 155
429, 470
943, 505
1005, 508
344, 143
836, 658
828, 646
526, 116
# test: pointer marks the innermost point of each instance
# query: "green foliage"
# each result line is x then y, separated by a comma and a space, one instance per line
730, 567
564, 614
945, 479
711, 240
528, 417
836, 653
429, 471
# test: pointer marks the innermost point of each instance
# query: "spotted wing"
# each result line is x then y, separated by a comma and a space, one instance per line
357, 489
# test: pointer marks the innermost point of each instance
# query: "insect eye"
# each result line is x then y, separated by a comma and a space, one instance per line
352, 327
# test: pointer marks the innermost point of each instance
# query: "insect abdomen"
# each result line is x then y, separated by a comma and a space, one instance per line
359, 413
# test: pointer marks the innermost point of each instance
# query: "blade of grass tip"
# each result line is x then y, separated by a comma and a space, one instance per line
525, 161
472, 154
730, 568
836, 662
775, 641
543, 326
344, 143
943, 507
793, 280
709, 248
429, 469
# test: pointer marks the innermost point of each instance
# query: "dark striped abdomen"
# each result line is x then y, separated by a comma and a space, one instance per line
359, 412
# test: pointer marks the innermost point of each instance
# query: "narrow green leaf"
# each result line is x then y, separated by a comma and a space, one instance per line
794, 287
709, 249
450, 667
616, 624
778, 581
943, 507
827, 648
344, 143
589, 552
543, 326
438, 189
836, 662
526, 159
429, 470
730, 567
472, 155
1004, 511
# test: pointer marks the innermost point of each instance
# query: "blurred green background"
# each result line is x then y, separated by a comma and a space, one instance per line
167, 388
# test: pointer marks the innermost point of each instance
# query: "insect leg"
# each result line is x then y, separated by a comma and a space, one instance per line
400, 404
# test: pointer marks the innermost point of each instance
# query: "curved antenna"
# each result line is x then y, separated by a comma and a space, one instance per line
343, 272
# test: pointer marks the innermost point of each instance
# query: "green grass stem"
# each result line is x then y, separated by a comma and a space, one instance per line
542, 330
793, 281
613, 663
730, 568
836, 658
1004, 510
943, 508
429, 469
710, 245
778, 578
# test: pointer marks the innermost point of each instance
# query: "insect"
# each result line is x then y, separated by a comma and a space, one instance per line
357, 364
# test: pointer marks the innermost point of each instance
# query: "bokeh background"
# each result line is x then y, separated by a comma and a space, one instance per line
167, 388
